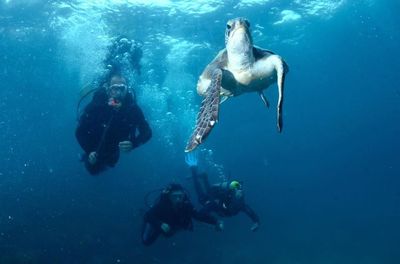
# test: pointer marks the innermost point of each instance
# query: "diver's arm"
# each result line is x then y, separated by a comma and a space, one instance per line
191, 161
145, 132
193, 170
90, 129
81, 136
152, 217
251, 214
86, 123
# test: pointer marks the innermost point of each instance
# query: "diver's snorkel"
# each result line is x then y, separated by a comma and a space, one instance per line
113, 102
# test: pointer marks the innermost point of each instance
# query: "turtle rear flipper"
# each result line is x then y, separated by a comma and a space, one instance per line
208, 114
264, 99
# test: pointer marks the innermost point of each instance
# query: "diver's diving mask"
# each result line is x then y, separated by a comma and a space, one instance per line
116, 94
118, 88
117, 91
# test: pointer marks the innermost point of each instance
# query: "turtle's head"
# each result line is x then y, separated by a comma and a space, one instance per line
237, 36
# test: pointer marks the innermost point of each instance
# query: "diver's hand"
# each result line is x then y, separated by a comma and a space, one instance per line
125, 146
165, 228
219, 226
92, 158
255, 227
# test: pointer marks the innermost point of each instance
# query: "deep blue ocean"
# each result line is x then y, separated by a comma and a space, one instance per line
327, 189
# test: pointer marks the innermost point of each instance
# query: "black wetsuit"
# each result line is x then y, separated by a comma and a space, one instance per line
101, 128
220, 199
177, 218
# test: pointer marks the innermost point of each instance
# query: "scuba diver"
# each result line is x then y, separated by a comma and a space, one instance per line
172, 212
226, 199
112, 121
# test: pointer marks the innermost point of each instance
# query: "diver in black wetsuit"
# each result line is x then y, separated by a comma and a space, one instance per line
110, 123
225, 199
172, 212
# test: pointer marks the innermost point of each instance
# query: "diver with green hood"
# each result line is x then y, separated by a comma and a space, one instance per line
225, 199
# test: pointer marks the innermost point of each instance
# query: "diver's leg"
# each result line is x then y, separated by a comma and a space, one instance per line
201, 195
206, 183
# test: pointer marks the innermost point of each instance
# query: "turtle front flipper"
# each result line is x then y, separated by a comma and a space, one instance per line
208, 114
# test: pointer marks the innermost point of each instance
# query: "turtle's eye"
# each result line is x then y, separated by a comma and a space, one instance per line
228, 26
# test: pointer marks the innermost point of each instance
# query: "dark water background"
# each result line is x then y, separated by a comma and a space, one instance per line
327, 189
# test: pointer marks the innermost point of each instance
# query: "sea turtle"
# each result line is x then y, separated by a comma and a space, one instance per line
239, 68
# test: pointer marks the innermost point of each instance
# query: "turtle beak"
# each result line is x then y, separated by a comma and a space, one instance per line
240, 27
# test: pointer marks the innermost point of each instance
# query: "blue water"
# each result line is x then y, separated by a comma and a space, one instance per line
327, 189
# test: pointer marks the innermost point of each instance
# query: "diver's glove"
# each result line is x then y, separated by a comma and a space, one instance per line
125, 146
255, 226
92, 157
165, 228
219, 226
